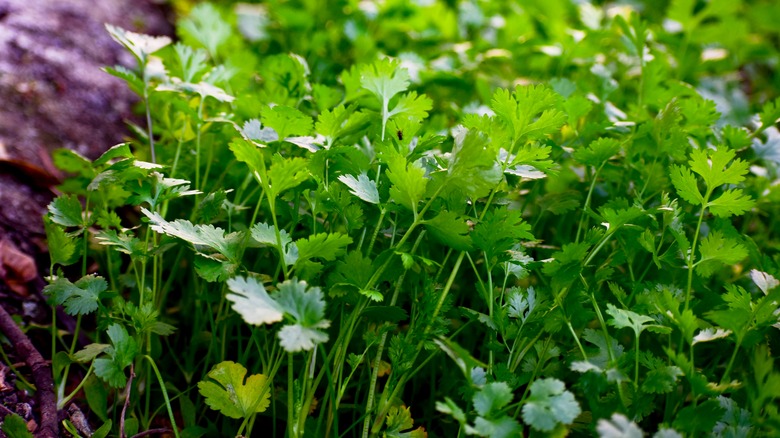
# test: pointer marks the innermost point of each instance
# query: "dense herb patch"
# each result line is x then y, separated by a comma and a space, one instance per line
525, 220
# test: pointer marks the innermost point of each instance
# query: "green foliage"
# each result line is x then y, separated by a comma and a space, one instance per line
230, 392
575, 202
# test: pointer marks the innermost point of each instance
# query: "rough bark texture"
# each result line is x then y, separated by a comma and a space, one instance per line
54, 95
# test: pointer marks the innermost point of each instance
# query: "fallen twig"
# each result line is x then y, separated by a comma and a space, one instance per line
41, 375
152, 431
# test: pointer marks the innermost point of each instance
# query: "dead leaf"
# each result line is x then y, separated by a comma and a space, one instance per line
16, 267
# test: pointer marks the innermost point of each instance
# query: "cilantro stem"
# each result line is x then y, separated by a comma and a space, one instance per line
148, 115
581, 224
380, 348
692, 252
291, 426
165, 395
197, 147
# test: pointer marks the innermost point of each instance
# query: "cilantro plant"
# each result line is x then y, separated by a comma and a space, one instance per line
449, 218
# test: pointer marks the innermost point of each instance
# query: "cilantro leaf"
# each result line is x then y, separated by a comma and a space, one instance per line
225, 390
323, 245
764, 281
286, 121
529, 113
79, 298
307, 308
492, 398
66, 211
62, 247
770, 113
597, 151
362, 187
449, 229
713, 167
731, 203
120, 354
252, 302
286, 173
14, 426
200, 236
622, 318
384, 78
499, 232
550, 404
716, 250
206, 26
618, 426
398, 420
141, 46
473, 168
685, 183
408, 181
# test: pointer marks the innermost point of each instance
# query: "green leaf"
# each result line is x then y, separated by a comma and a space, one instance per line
618, 426
502, 427
307, 308
286, 121
698, 419
362, 187
473, 169
206, 26
120, 355
66, 211
252, 302
716, 250
72, 162
124, 242
331, 123
449, 407
529, 113
191, 61
134, 82
449, 229
323, 245
492, 398
731, 203
119, 151
685, 183
763, 280
399, 419
141, 46
226, 390
550, 404
249, 153
661, 378
770, 113
412, 106
408, 181
62, 247
79, 298
567, 263
90, 352
715, 169
384, 79
14, 426
200, 236
286, 173
622, 318
597, 152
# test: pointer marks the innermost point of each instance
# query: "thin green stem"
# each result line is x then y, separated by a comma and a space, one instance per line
165, 395
692, 253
